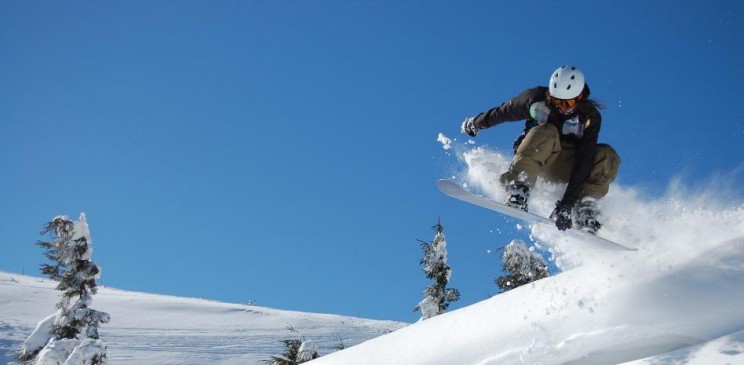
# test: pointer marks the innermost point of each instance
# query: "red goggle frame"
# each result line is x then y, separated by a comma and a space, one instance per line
563, 103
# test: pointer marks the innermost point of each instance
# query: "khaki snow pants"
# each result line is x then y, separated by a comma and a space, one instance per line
540, 155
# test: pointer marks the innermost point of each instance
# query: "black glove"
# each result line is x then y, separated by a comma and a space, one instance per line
468, 127
562, 216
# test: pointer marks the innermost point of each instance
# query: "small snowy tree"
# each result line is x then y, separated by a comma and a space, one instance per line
521, 266
296, 351
437, 296
71, 335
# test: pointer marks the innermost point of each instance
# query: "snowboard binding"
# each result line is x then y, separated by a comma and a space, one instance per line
517, 196
586, 214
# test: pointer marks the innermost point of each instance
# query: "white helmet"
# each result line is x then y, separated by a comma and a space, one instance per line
567, 82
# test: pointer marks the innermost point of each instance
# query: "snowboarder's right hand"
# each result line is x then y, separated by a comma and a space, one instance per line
562, 216
468, 127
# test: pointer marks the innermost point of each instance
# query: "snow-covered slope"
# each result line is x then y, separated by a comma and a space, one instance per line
728, 350
677, 300
156, 329
589, 315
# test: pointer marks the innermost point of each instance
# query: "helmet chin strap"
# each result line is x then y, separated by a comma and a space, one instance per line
569, 111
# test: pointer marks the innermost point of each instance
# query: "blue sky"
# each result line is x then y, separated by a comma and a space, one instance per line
285, 151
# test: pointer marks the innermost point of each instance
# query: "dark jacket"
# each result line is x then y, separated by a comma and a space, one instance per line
579, 130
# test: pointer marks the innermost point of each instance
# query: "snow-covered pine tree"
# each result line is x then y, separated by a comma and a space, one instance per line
296, 350
521, 266
437, 296
71, 335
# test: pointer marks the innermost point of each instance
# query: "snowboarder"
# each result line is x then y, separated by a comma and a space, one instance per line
559, 144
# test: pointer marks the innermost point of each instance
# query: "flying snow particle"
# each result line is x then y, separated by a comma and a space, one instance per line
446, 142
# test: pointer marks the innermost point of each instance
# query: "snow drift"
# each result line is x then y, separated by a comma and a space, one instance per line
683, 287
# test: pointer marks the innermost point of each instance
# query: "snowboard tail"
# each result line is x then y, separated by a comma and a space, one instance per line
456, 191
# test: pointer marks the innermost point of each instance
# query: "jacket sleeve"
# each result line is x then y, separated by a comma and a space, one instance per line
518, 108
586, 148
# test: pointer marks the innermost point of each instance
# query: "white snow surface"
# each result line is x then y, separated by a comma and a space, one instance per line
164, 330
82, 231
40, 336
677, 300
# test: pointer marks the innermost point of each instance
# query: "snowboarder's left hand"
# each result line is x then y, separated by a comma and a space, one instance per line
562, 216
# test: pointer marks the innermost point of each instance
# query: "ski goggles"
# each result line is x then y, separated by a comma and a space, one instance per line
563, 104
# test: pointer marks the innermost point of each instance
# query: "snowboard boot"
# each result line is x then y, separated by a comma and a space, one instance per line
517, 196
587, 214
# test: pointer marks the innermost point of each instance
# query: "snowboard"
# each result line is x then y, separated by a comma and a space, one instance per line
458, 192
